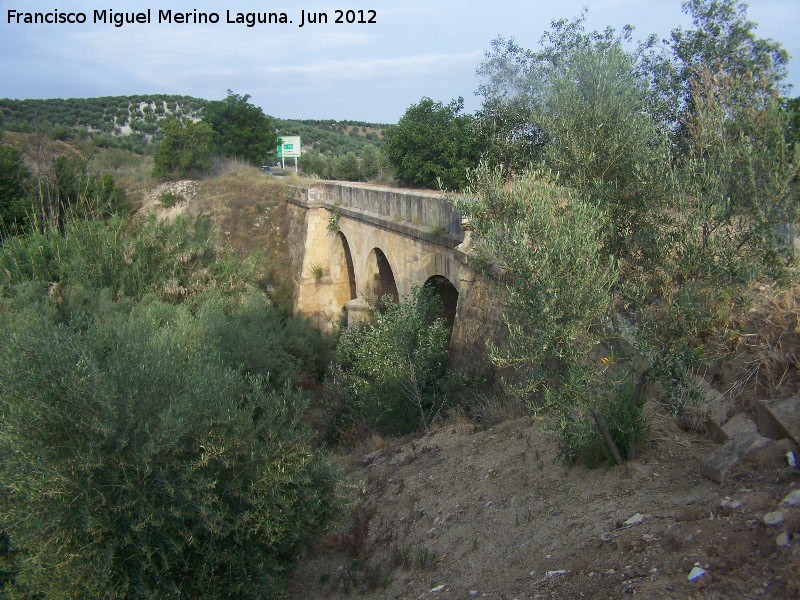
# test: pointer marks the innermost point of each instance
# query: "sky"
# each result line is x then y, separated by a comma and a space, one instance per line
358, 71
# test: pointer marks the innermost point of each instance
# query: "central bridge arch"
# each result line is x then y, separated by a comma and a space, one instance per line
379, 278
448, 299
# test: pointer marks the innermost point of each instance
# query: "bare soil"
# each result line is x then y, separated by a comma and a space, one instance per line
490, 513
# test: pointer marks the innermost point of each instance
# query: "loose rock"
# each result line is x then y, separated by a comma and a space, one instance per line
774, 518
696, 573
780, 418
728, 503
718, 464
739, 424
635, 520
793, 499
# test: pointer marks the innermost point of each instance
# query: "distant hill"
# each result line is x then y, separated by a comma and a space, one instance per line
134, 122
330, 137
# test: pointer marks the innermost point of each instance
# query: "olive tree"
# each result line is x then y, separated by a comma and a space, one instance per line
587, 98
689, 224
433, 143
185, 150
240, 129
547, 243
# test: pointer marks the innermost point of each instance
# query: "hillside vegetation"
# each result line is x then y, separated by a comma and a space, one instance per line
135, 122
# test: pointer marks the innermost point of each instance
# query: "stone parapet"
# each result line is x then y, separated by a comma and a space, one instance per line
423, 215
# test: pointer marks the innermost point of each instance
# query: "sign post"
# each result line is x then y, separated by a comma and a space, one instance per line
289, 146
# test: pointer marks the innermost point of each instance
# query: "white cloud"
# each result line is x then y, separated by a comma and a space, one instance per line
362, 69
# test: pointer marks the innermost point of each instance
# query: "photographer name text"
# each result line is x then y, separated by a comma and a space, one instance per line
194, 17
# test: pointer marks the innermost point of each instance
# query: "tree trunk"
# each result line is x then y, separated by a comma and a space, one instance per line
601, 425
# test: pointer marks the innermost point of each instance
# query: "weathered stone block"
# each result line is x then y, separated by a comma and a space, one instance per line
780, 418
739, 424
718, 411
719, 463
716, 417
358, 311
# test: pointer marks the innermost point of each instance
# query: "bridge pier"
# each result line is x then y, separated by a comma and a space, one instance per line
358, 311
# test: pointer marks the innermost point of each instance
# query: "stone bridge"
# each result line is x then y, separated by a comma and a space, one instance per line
361, 242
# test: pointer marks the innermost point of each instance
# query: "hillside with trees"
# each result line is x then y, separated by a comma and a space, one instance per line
129, 122
135, 123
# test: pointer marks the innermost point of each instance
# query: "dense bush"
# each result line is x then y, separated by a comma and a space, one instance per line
389, 376
185, 150
433, 144
13, 198
136, 464
548, 241
61, 187
678, 172
349, 167
156, 256
257, 338
240, 129
152, 444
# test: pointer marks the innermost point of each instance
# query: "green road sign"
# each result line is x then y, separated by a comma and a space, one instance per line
289, 146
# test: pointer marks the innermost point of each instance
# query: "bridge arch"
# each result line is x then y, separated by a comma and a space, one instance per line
379, 277
448, 297
342, 271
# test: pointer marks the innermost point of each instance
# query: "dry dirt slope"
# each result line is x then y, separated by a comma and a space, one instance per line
465, 512
248, 209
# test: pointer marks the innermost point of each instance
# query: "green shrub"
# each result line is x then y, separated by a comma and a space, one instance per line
257, 337
185, 150
579, 436
312, 163
67, 188
348, 168
13, 201
168, 199
240, 129
547, 244
548, 241
132, 259
389, 375
432, 144
136, 464
113, 160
